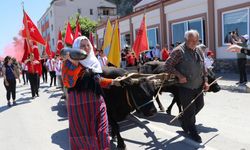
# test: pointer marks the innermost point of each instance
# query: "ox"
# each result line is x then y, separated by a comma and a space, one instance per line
131, 95
156, 67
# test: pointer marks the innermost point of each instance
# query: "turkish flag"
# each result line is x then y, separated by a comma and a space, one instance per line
26, 50
30, 30
68, 37
35, 51
59, 43
77, 30
47, 49
141, 41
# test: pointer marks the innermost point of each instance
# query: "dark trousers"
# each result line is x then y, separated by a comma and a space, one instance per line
38, 81
242, 70
52, 77
25, 77
33, 78
186, 96
11, 89
44, 74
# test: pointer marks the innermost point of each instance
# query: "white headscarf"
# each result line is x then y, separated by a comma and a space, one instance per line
91, 61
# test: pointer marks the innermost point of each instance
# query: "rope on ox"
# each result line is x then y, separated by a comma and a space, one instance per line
181, 113
158, 92
149, 76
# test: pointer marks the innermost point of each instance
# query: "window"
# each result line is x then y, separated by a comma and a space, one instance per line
237, 20
51, 13
179, 29
153, 37
51, 27
91, 11
106, 12
79, 11
125, 40
47, 18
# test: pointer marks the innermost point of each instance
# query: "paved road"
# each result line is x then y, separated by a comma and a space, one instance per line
42, 123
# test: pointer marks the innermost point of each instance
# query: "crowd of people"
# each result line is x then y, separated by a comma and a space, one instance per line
81, 80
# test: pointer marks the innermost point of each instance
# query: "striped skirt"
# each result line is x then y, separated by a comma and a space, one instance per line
88, 122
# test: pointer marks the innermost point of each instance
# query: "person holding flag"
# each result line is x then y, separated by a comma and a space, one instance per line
33, 74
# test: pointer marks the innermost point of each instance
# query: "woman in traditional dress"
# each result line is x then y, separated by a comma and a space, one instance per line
88, 122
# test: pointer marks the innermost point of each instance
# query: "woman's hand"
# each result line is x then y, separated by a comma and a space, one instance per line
116, 82
75, 62
6, 82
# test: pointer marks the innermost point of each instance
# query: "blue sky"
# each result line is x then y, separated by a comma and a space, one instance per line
11, 17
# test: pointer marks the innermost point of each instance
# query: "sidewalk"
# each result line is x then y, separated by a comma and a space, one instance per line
229, 80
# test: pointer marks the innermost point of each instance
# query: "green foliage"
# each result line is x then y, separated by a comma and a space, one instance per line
86, 25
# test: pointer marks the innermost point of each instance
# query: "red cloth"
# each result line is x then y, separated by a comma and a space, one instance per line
30, 30
141, 41
26, 51
47, 49
59, 43
35, 51
210, 53
164, 54
68, 36
33, 67
130, 59
77, 30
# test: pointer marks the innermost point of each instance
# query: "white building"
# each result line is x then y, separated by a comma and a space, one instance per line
59, 12
167, 20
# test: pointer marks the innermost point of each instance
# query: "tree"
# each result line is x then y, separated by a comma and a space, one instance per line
86, 25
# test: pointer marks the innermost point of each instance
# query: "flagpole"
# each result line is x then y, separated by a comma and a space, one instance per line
26, 29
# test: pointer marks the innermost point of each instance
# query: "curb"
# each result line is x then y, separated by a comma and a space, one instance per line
242, 89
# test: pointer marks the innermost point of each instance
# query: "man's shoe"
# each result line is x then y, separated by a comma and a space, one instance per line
238, 83
195, 137
14, 103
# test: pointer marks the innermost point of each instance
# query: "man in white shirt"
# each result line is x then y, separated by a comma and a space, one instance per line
157, 52
51, 67
102, 58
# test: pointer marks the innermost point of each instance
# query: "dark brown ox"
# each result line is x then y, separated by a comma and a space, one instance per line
135, 93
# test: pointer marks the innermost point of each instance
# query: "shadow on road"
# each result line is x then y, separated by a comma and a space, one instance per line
61, 110
55, 95
157, 143
61, 138
3, 108
19, 101
163, 118
204, 129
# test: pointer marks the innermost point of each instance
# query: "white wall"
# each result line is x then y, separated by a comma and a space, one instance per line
100, 33
152, 18
124, 26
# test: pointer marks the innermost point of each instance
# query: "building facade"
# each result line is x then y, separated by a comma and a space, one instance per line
167, 21
60, 11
